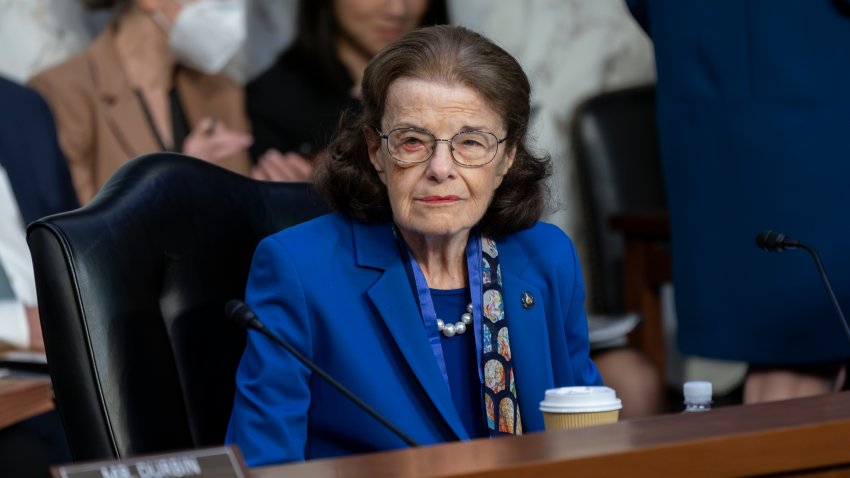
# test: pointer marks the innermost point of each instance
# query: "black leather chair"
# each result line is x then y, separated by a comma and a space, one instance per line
131, 290
619, 169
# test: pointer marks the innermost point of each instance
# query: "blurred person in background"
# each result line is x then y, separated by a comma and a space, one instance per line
37, 34
150, 83
753, 108
295, 105
34, 182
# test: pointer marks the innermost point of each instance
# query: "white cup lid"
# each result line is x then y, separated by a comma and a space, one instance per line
580, 400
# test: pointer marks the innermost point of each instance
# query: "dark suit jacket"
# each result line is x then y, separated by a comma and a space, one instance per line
338, 291
29, 152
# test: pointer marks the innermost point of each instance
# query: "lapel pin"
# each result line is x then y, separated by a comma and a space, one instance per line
527, 300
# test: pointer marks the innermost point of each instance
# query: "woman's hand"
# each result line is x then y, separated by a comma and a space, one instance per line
276, 166
212, 141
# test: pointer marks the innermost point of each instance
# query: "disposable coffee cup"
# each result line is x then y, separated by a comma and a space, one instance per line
578, 407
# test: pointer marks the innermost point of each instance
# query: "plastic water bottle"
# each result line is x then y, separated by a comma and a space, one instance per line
697, 396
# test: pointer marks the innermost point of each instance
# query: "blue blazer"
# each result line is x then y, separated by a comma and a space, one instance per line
30, 154
338, 291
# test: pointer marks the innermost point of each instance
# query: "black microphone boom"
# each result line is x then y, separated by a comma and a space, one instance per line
775, 242
241, 313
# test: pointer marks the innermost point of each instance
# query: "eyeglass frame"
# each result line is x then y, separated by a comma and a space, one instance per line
437, 140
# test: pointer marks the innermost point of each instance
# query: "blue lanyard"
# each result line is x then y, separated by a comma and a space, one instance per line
426, 304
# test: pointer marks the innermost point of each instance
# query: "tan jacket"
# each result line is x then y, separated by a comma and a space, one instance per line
102, 124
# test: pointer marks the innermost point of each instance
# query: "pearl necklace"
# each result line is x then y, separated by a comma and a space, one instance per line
449, 330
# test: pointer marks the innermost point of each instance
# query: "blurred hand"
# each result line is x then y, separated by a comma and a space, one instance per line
36, 339
213, 141
276, 166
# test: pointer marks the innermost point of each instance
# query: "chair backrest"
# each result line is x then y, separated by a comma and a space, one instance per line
619, 169
131, 290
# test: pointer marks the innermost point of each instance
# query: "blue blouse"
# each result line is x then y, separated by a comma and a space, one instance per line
461, 362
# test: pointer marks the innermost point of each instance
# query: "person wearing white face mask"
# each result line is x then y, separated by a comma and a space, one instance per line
205, 35
150, 83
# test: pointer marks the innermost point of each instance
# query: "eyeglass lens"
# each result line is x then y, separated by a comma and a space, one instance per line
471, 148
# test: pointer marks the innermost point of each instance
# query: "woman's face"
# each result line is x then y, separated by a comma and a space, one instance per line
438, 197
372, 24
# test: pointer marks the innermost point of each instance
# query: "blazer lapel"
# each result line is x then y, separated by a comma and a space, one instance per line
393, 298
124, 112
529, 345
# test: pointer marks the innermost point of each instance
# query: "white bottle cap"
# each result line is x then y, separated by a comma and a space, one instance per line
698, 391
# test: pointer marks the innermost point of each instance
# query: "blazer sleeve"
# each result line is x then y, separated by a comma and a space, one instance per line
584, 371
269, 419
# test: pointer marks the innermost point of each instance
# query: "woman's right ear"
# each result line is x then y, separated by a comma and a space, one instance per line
373, 145
371, 136
373, 141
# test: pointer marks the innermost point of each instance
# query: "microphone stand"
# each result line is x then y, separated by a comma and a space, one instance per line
771, 241
826, 283
251, 321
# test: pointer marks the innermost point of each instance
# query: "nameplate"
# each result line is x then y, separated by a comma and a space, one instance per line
218, 462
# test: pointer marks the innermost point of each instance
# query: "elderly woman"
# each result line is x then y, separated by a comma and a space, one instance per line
433, 293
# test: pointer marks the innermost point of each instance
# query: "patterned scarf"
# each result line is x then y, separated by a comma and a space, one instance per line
500, 397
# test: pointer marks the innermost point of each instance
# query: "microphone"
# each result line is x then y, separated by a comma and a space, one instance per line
776, 242
244, 316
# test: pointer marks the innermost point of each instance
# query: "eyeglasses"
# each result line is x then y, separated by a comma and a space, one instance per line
416, 145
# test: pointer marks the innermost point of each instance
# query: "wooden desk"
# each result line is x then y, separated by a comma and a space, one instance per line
646, 266
802, 437
22, 398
